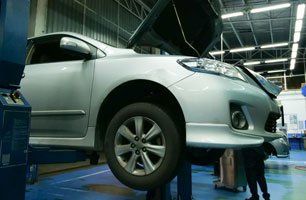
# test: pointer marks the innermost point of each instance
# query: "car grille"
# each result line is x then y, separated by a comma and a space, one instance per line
271, 122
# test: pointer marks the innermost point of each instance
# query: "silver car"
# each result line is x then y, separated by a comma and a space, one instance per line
144, 110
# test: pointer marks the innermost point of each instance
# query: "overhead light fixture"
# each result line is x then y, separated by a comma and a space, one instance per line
293, 54
276, 71
296, 37
229, 15
266, 46
292, 64
295, 47
213, 53
251, 63
242, 49
298, 25
268, 8
276, 60
300, 11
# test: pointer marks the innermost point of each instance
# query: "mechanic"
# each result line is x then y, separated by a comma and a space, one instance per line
255, 171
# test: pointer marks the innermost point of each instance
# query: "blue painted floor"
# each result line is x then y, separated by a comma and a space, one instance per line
286, 181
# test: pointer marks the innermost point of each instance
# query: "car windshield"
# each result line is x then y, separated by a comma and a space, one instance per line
266, 84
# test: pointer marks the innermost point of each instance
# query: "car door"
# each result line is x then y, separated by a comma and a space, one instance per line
58, 85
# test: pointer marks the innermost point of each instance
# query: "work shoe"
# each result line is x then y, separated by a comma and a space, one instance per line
253, 198
266, 196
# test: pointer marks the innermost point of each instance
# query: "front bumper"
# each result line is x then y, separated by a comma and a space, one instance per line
205, 100
219, 136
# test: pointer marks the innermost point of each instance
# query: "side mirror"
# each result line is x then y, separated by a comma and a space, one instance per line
76, 46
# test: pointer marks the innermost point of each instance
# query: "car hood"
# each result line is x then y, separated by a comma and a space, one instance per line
180, 27
265, 84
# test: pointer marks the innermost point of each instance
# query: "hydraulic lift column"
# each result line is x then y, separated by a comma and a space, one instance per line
14, 110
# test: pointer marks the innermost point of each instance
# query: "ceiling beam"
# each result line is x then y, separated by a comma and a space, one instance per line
237, 35
271, 29
290, 26
234, 29
264, 31
226, 43
133, 6
251, 25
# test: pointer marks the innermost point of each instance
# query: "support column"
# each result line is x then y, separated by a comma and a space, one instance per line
40, 17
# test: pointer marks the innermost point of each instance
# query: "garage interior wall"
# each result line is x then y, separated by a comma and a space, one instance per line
295, 117
104, 20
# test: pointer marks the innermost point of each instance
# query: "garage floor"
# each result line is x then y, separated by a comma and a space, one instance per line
286, 181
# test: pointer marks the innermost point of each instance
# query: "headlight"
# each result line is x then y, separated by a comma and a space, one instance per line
205, 65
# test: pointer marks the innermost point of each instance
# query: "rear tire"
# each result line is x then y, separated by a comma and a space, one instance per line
143, 146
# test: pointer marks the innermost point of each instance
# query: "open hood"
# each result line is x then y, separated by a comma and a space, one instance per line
182, 27
267, 85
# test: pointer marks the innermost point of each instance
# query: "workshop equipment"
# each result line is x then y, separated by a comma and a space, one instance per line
232, 174
14, 110
14, 138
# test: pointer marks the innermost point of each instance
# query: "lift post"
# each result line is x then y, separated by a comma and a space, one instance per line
184, 186
45, 155
184, 182
14, 110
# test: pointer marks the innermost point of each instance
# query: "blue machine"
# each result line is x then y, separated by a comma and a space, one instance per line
14, 109
303, 89
14, 132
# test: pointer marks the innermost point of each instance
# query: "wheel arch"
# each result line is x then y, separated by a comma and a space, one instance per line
138, 91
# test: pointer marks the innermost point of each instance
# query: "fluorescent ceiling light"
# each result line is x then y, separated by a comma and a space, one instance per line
251, 63
276, 60
266, 46
300, 11
296, 37
276, 71
298, 25
242, 49
268, 8
295, 47
293, 54
292, 64
229, 15
213, 53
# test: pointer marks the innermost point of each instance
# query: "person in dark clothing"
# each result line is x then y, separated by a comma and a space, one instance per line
255, 171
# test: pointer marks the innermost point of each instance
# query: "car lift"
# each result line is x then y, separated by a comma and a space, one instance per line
14, 109
45, 155
184, 186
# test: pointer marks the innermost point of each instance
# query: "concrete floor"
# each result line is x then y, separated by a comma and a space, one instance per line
286, 181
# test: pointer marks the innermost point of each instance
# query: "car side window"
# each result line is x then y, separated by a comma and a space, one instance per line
50, 51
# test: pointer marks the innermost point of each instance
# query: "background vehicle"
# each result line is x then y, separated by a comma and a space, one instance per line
279, 147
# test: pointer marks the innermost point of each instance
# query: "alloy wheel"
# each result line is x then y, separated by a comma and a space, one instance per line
140, 145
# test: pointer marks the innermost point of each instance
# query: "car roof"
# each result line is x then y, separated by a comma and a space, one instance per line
109, 50
94, 42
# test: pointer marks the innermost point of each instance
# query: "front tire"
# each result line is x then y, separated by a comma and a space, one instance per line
143, 146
